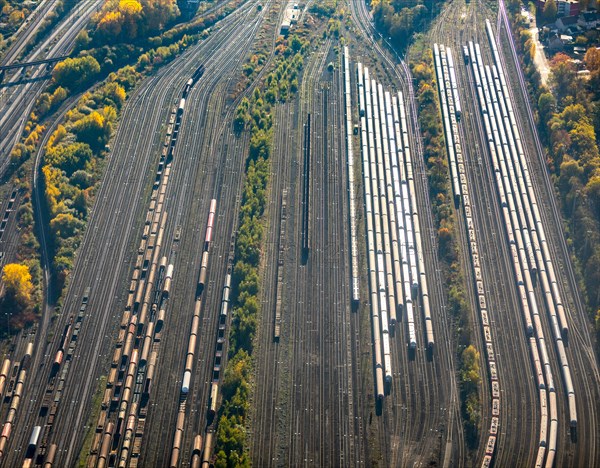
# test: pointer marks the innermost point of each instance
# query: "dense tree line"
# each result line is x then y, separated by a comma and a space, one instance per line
123, 34
127, 20
71, 166
254, 113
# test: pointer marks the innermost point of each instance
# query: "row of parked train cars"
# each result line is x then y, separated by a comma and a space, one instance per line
527, 239
397, 279
450, 104
201, 453
120, 426
125, 402
12, 379
351, 190
525, 233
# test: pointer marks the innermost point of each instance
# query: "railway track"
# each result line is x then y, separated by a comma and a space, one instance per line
509, 450
224, 182
518, 395
318, 329
147, 109
400, 427
583, 365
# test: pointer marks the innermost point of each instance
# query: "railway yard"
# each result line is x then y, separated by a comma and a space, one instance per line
355, 359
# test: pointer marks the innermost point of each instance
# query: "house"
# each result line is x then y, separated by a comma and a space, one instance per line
563, 7
291, 16
567, 7
589, 20
555, 44
562, 24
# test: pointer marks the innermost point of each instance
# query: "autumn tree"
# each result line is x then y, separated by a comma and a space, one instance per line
53, 180
17, 281
111, 25
114, 94
69, 157
470, 368
131, 19
592, 59
158, 13
563, 79
73, 73
93, 129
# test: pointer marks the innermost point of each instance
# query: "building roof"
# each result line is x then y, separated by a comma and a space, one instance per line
568, 20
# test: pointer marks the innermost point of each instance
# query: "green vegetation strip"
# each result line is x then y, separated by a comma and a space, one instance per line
434, 153
256, 114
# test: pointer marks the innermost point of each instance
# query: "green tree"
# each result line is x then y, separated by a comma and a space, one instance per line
237, 374
65, 225
82, 40
260, 145
81, 179
570, 178
69, 157
550, 10
546, 107
74, 73
592, 191
93, 129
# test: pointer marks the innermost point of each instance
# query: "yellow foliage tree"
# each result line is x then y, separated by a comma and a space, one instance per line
59, 95
32, 139
111, 23
130, 7
57, 136
17, 280
470, 371
592, 59
51, 178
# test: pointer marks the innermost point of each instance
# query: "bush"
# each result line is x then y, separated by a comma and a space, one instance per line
69, 158
75, 73
93, 129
